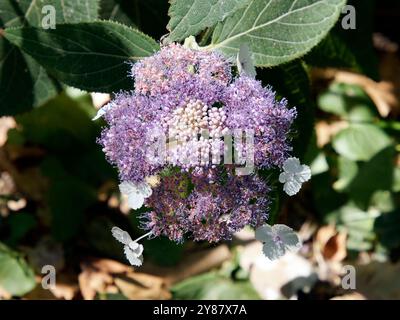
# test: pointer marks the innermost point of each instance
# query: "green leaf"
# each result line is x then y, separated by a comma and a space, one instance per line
277, 31
396, 180
20, 224
387, 227
189, 17
90, 56
68, 198
19, 68
347, 171
376, 174
319, 164
359, 224
213, 286
59, 125
333, 103
16, 277
383, 201
63, 127
110, 296
29, 12
23, 83
360, 142
347, 101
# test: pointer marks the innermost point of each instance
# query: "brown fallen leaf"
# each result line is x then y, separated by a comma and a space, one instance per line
110, 266
329, 251
92, 281
66, 287
331, 243
100, 276
142, 286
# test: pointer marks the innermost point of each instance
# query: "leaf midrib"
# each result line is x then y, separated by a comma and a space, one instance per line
227, 40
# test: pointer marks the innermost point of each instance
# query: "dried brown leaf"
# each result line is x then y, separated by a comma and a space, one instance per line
331, 243
142, 286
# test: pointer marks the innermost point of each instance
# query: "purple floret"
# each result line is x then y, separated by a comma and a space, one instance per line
211, 212
250, 106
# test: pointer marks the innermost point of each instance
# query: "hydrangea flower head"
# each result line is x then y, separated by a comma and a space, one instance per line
176, 124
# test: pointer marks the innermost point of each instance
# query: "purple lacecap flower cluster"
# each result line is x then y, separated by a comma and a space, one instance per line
204, 201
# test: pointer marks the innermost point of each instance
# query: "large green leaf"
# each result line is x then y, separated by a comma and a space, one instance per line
213, 286
19, 68
359, 224
16, 277
23, 82
18, 12
277, 31
360, 142
90, 56
189, 17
